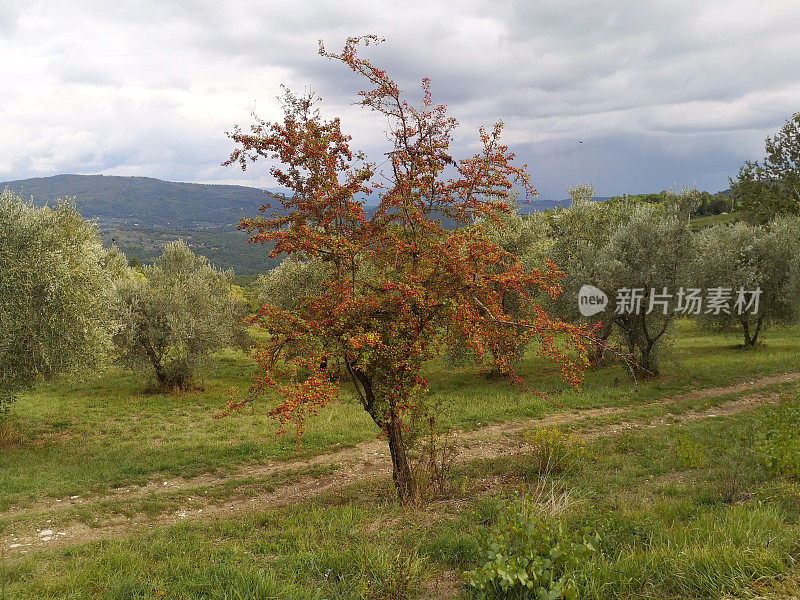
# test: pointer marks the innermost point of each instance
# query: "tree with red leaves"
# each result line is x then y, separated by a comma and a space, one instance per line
398, 285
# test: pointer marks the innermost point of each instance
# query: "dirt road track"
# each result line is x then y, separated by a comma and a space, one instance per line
364, 462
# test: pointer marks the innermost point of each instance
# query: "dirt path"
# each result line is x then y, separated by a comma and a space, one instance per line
363, 462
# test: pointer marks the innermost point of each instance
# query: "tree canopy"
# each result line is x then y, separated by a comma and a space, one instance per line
54, 299
771, 188
398, 283
173, 314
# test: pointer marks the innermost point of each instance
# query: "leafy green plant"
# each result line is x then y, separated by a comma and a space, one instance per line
529, 554
691, 454
555, 450
777, 439
174, 314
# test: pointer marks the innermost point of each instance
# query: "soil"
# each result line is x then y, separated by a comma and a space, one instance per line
361, 463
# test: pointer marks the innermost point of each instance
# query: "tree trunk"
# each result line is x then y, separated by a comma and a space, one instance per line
155, 360
751, 340
746, 331
758, 329
401, 469
647, 366
597, 349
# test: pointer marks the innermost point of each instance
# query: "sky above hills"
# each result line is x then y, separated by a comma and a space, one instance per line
632, 95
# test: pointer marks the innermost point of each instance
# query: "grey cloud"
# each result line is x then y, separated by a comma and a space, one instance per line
659, 91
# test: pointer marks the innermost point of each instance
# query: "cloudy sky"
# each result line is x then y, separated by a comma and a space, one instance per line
659, 93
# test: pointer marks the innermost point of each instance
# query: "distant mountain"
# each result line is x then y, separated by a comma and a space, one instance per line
141, 214
148, 202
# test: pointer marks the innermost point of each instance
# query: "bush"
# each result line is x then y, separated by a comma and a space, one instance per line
554, 450
777, 439
529, 554
54, 300
174, 314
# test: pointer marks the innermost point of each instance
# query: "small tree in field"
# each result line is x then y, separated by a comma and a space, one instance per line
649, 250
579, 235
290, 282
173, 315
54, 299
399, 283
526, 237
748, 258
581, 193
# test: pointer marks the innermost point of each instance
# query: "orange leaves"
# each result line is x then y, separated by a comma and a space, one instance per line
365, 340
401, 284
303, 397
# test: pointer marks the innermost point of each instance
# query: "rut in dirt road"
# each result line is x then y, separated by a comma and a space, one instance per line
364, 462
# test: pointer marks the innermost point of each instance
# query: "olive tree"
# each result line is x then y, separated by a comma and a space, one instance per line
527, 238
579, 234
772, 187
174, 314
621, 247
756, 268
581, 193
642, 267
290, 282
54, 300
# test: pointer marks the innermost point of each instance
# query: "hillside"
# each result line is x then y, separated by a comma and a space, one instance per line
147, 202
225, 249
142, 214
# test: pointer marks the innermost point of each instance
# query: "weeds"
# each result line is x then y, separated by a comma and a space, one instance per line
432, 464
690, 453
554, 450
777, 439
394, 574
530, 553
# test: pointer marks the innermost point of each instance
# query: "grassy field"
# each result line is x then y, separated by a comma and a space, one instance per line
709, 220
683, 509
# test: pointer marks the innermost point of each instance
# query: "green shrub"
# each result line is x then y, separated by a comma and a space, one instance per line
777, 439
690, 453
174, 314
529, 554
554, 450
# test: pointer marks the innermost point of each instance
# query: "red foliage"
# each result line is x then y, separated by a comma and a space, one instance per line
400, 283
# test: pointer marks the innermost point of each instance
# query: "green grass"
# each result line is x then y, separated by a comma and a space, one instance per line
158, 503
698, 359
84, 437
724, 528
684, 510
78, 437
710, 220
